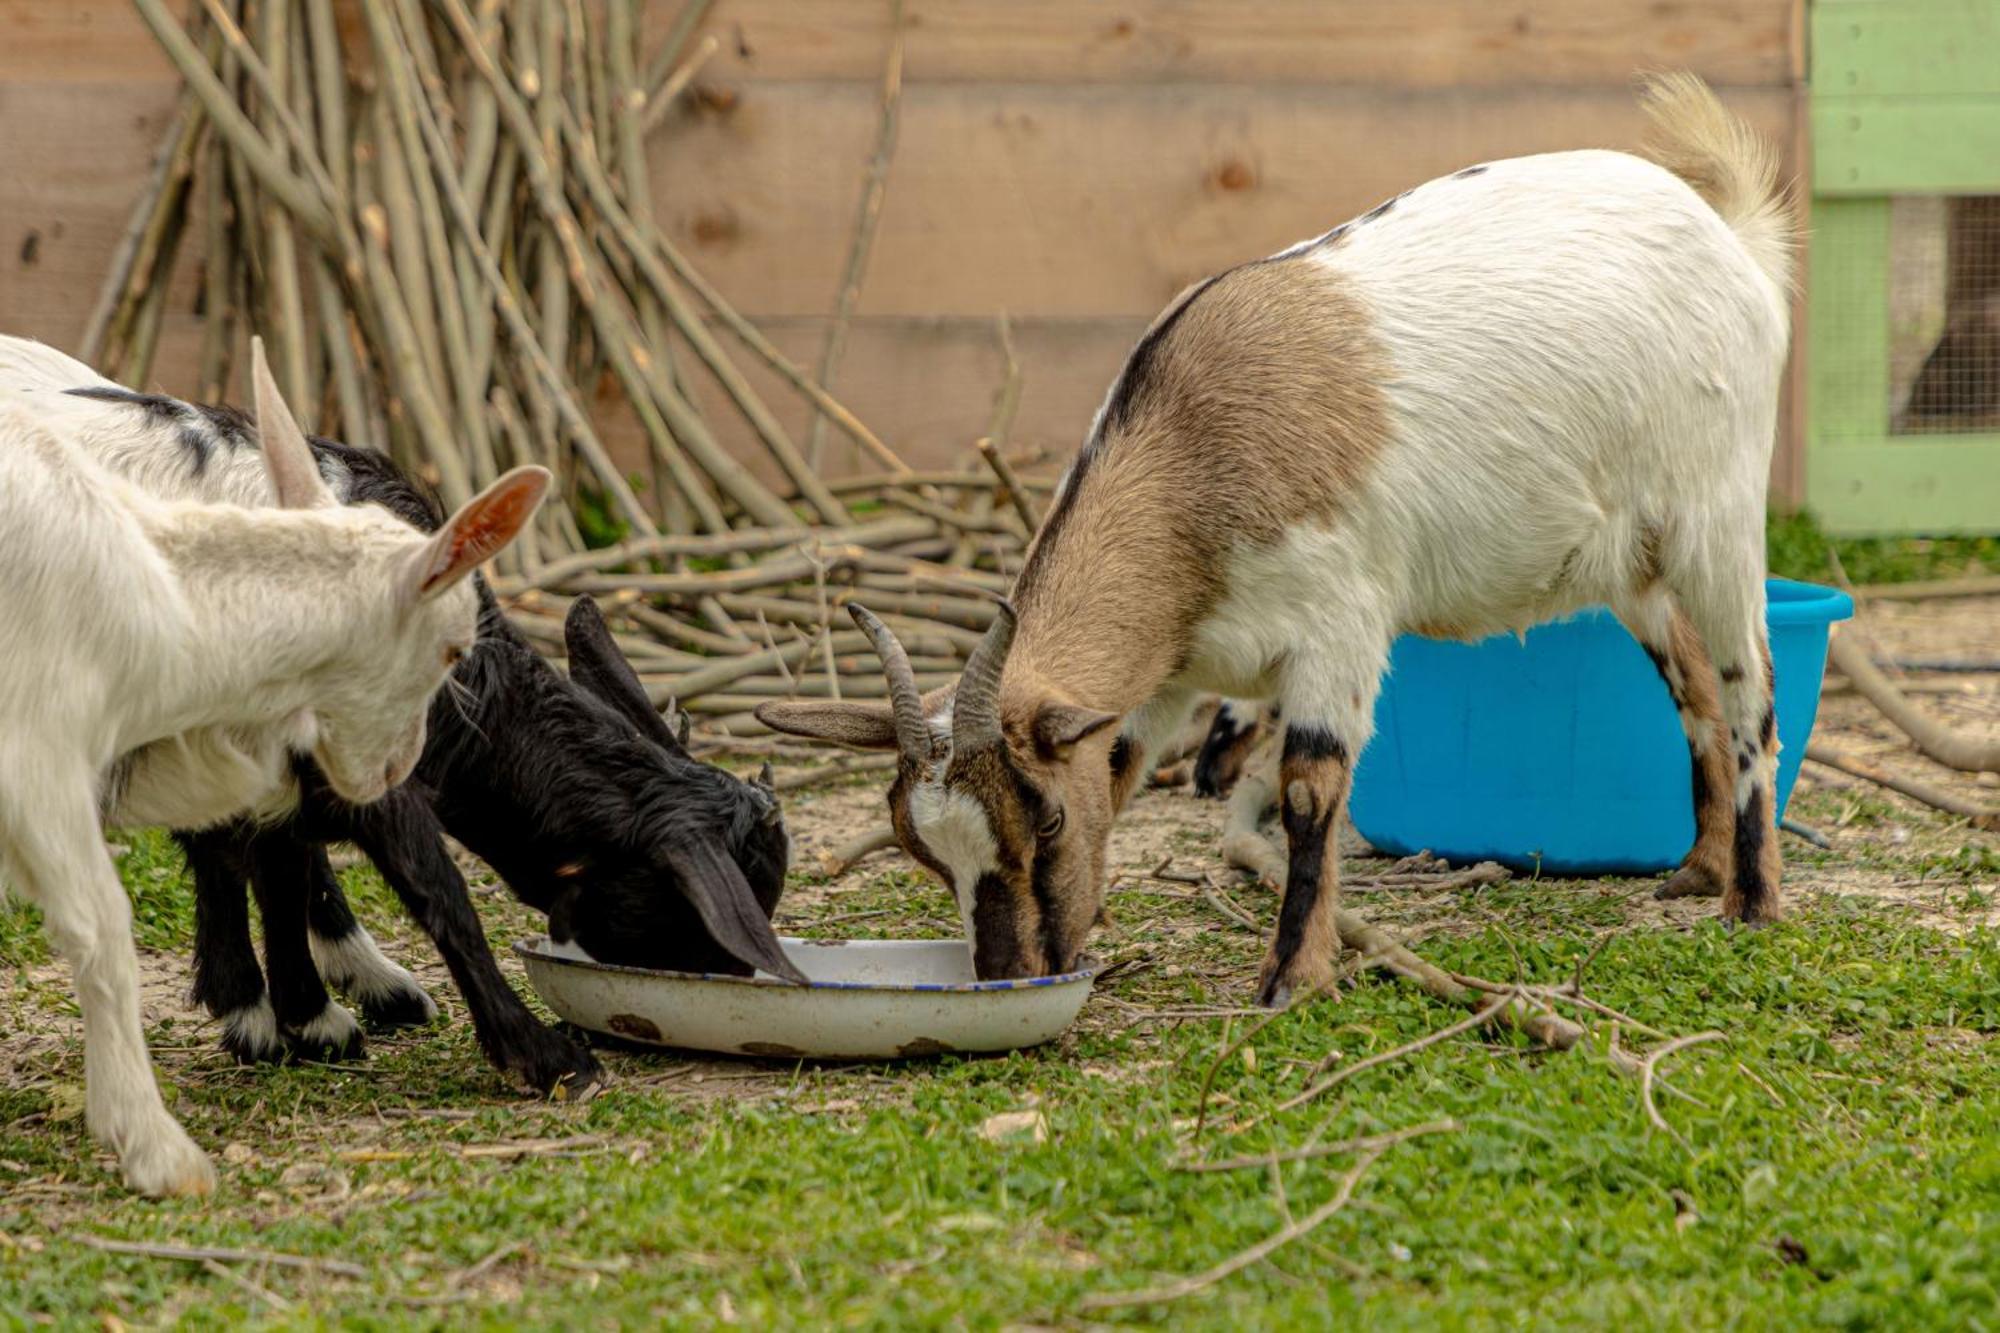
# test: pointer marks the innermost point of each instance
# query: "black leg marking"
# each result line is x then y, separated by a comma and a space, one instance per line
1304, 927
401, 835
1305, 837
227, 980
1215, 767
1750, 835
1310, 743
313, 1026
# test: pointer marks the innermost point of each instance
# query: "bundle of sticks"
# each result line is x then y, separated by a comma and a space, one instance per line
437, 213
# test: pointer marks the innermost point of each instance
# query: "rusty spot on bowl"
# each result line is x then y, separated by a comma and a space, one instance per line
775, 1048
631, 1025
923, 1046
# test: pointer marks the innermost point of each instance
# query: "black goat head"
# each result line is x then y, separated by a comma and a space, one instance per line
720, 840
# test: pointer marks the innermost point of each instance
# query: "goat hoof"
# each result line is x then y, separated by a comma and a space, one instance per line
250, 1034
162, 1161
331, 1037
1738, 911
397, 1008
1690, 881
562, 1070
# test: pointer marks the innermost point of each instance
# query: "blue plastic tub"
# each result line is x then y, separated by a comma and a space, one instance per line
1561, 750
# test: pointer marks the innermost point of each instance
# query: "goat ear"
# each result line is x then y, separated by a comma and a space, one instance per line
477, 532
861, 726
596, 665
287, 457
714, 884
1060, 726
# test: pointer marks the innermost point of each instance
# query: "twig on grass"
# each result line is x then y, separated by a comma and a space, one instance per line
484, 1266
1277, 1240
254, 1289
850, 854
1477, 1020
197, 1254
1983, 817
1969, 754
1365, 1143
1229, 909
1649, 1065
811, 777
1806, 831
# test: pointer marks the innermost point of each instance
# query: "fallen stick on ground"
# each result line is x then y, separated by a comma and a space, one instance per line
839, 768
1649, 1065
1849, 653
196, 1254
1477, 1020
845, 857
1807, 832
1236, 1263
254, 1289
1366, 1143
1929, 590
1983, 817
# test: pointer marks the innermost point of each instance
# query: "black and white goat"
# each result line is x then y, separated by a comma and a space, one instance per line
574, 790
228, 636
1509, 393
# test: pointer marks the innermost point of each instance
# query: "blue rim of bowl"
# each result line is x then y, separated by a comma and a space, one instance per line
527, 949
1792, 602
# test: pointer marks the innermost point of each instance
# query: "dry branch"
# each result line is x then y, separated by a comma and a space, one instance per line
1850, 653
1981, 816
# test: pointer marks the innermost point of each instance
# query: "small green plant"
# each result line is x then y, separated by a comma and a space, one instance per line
1797, 549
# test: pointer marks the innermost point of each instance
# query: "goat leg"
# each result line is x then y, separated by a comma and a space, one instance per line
227, 981
349, 959
403, 838
313, 1026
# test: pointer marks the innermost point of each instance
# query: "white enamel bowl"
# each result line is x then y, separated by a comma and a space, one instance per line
868, 1000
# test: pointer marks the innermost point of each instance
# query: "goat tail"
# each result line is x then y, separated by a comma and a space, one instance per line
1729, 164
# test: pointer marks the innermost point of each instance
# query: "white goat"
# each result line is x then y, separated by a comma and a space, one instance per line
313, 627
1512, 392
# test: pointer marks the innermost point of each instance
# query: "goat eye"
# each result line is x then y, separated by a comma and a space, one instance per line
453, 655
1050, 826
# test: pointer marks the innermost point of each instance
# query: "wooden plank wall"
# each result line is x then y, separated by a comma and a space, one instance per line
1072, 163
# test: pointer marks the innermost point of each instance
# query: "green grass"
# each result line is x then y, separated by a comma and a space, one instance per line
1797, 549
1844, 1165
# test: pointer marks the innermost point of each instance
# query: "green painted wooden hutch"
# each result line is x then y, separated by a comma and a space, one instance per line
1903, 311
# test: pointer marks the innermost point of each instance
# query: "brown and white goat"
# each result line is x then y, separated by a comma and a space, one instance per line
1509, 393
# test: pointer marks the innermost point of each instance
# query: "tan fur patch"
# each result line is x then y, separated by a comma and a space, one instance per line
1259, 406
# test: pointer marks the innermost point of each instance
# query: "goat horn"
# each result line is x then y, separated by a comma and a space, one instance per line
975, 710
913, 734
764, 778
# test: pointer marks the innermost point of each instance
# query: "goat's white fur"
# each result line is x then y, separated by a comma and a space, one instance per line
132, 620
146, 787
1583, 359
355, 966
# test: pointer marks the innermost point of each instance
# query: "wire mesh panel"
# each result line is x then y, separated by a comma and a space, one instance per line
1944, 314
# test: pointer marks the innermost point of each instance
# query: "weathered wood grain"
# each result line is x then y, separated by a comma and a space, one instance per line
1323, 43
1079, 201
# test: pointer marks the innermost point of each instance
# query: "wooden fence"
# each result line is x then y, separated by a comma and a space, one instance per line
1070, 164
